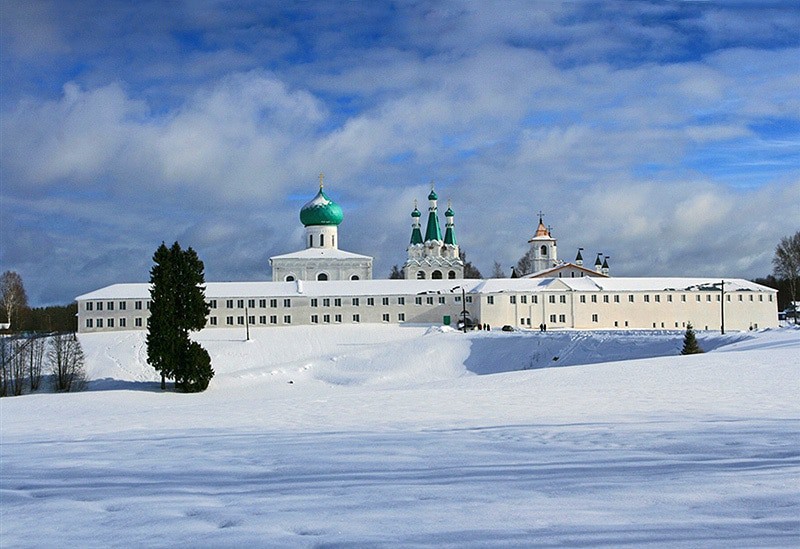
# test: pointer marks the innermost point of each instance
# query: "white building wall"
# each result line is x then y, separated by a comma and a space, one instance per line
550, 302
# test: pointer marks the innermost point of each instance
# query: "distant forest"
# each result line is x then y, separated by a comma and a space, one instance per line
56, 318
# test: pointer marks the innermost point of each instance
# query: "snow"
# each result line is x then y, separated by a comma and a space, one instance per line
415, 436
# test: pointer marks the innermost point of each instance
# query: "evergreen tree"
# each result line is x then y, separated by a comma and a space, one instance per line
470, 270
525, 264
397, 273
690, 346
177, 307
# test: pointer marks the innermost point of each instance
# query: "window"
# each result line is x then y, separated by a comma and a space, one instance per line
89, 323
469, 299
451, 275
605, 299
99, 305
262, 319
229, 304
240, 303
683, 298
326, 302
562, 318
512, 299
287, 303
420, 275
289, 278
229, 320
337, 318
148, 304
138, 322
371, 301
669, 298
544, 250
770, 298
418, 300
89, 306
436, 275
401, 317
594, 318
553, 318
355, 302
123, 306
385, 300
490, 300
287, 319
212, 321
385, 317
262, 303
523, 299
322, 277
311, 241
337, 302
122, 323
354, 277
630, 298
708, 297
251, 303
761, 297
646, 298
551, 298
326, 319
240, 320
322, 240
658, 298
616, 299
429, 300
534, 299
616, 323
212, 304
751, 297
314, 302
314, 319
563, 298
99, 322
273, 319
273, 303
442, 300
356, 318
594, 298
401, 301
251, 319
110, 305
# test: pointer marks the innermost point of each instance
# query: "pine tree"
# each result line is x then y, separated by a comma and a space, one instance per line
690, 346
177, 308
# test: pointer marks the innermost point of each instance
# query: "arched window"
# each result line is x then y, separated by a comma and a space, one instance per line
436, 275
451, 274
354, 277
420, 275
544, 249
311, 241
322, 276
289, 278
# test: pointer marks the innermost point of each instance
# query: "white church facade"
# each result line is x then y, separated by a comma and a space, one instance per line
324, 285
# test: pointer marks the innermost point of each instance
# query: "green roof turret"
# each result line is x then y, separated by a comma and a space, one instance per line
321, 210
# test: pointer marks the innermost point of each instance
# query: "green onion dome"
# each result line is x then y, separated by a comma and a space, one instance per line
416, 213
433, 196
449, 212
321, 210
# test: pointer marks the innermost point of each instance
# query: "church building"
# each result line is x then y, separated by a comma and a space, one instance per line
545, 263
322, 259
433, 257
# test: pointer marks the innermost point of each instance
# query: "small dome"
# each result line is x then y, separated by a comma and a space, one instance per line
321, 210
449, 212
433, 196
416, 213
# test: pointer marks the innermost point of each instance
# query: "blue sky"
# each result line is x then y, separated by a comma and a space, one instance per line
664, 134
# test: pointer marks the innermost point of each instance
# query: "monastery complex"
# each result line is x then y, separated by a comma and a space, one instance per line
322, 284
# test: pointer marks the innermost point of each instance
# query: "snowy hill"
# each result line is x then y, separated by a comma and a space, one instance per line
386, 436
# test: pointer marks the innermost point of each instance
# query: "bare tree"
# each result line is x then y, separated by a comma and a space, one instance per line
786, 263
66, 360
525, 263
18, 366
36, 349
12, 294
497, 270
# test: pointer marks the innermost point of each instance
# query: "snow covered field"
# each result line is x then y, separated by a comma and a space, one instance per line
370, 436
